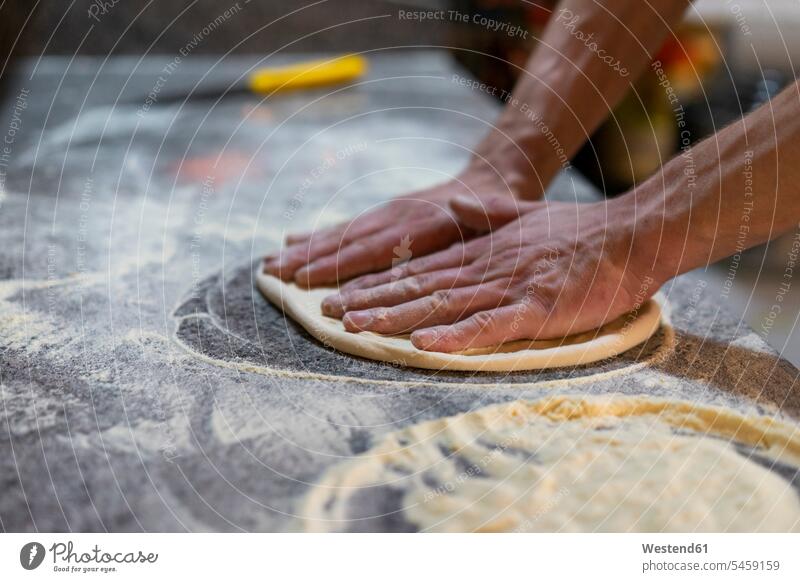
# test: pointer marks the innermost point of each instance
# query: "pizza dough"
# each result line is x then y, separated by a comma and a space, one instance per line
303, 306
609, 464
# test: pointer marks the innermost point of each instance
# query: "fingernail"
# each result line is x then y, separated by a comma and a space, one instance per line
465, 199
302, 277
469, 202
272, 267
357, 320
424, 339
333, 306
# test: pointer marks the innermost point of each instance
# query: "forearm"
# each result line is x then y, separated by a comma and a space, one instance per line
732, 191
585, 62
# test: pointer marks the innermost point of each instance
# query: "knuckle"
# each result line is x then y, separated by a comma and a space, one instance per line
416, 285
467, 273
484, 320
415, 267
395, 277
473, 249
541, 300
440, 298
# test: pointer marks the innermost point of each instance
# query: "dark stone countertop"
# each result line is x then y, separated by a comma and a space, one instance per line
147, 386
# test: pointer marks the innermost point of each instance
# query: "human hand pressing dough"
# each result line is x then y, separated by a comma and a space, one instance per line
557, 270
407, 226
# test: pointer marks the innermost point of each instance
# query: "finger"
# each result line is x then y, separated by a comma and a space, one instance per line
293, 257
397, 291
378, 251
299, 237
486, 328
441, 307
360, 225
488, 214
458, 255
319, 244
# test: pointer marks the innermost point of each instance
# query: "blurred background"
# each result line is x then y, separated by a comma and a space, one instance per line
727, 57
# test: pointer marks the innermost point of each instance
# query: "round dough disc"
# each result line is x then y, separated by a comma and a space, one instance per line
609, 464
304, 306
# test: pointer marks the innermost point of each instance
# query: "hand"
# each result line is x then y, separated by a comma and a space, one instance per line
559, 269
405, 227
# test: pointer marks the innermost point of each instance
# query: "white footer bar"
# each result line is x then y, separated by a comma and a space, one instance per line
389, 557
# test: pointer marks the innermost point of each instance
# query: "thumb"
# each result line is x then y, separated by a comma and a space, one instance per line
485, 214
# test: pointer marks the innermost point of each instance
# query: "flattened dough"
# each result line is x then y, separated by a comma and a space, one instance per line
608, 463
613, 338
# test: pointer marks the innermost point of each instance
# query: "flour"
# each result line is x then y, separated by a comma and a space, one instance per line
586, 464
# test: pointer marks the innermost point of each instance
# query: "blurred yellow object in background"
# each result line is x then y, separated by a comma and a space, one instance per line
308, 74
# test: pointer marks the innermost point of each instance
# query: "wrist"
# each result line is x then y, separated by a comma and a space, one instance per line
498, 176
524, 164
642, 238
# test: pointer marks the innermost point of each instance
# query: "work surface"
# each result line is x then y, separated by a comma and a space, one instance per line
146, 385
